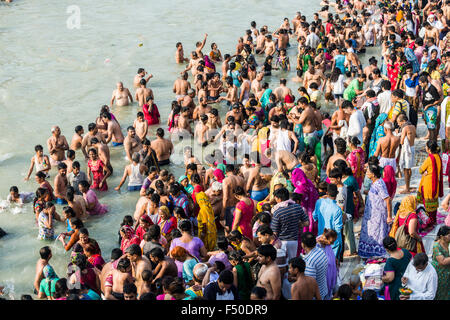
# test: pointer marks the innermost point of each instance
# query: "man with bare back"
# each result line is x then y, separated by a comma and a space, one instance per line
229, 201
142, 93
181, 86
387, 147
163, 148
304, 287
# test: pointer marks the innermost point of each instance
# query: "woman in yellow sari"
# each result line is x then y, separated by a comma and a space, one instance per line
207, 230
431, 184
406, 215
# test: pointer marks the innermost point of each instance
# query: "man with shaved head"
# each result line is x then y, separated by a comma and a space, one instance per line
57, 145
121, 95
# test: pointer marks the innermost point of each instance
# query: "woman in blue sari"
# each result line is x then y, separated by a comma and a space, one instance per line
377, 133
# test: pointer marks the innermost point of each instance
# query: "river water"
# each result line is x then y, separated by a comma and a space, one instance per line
54, 74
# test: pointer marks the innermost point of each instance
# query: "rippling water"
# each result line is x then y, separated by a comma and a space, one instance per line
50, 74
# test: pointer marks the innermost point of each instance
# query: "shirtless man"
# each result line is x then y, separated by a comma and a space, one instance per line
139, 76
201, 109
165, 266
86, 143
340, 150
141, 126
143, 93
103, 152
269, 275
109, 266
304, 287
131, 143
188, 101
431, 32
201, 129
338, 117
60, 182
313, 75
282, 91
199, 46
307, 118
225, 65
260, 41
255, 185
114, 281
229, 201
407, 151
184, 125
163, 147
77, 138
179, 54
215, 87
121, 95
57, 145
236, 113
193, 64
232, 92
387, 147
285, 160
181, 86
256, 86
114, 132
45, 254
139, 263
269, 46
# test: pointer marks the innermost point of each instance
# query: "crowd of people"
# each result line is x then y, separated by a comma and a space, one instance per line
270, 212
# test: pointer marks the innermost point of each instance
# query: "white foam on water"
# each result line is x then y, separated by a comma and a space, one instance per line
6, 156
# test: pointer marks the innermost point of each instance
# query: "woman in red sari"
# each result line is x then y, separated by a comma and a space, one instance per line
243, 214
357, 158
393, 69
99, 171
151, 113
389, 180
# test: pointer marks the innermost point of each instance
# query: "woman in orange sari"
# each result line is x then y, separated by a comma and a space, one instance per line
431, 185
406, 215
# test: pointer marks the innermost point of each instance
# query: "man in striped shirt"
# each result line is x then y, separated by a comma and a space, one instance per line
316, 263
288, 218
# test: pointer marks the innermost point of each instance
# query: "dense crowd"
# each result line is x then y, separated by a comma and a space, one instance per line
270, 212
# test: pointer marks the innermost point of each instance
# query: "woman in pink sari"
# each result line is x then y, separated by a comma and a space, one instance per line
243, 214
306, 188
128, 237
389, 180
357, 158
210, 67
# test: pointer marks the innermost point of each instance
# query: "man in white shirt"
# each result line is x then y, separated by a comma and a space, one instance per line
421, 277
356, 123
384, 98
312, 39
